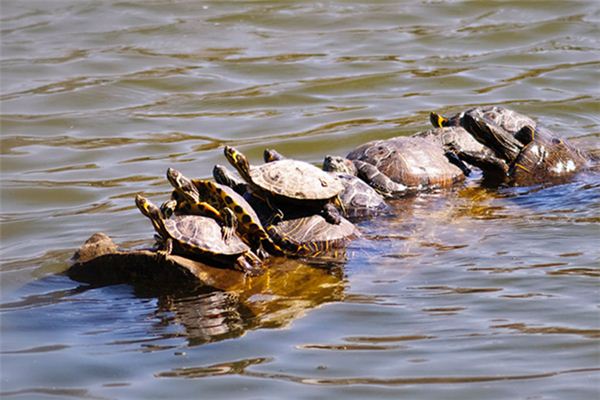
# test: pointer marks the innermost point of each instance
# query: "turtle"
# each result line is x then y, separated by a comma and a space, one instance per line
204, 197
405, 164
531, 155
518, 150
200, 236
298, 234
358, 198
291, 182
506, 118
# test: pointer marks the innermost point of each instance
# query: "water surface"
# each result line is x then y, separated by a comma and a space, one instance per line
467, 293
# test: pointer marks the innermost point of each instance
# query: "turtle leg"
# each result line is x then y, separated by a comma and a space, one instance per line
167, 248
277, 214
486, 161
250, 264
223, 176
268, 247
379, 181
455, 160
261, 252
205, 209
229, 227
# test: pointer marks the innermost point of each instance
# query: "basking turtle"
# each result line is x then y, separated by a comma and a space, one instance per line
290, 182
297, 234
507, 119
204, 197
312, 236
520, 151
531, 155
358, 198
406, 163
200, 236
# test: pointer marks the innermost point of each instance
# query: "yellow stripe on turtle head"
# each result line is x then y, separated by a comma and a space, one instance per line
438, 120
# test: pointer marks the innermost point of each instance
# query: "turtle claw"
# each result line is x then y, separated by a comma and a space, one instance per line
250, 264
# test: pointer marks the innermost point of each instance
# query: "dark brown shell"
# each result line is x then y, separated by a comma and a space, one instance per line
413, 161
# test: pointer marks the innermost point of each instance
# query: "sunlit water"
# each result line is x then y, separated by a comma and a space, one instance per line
467, 293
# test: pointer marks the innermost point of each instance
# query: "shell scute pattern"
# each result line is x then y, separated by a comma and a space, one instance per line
296, 179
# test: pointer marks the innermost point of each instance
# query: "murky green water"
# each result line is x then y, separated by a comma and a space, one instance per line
465, 294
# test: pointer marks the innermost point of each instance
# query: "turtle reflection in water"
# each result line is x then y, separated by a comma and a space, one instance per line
523, 152
200, 236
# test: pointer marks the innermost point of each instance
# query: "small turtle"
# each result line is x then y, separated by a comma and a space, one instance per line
290, 182
297, 234
200, 236
403, 164
358, 198
203, 197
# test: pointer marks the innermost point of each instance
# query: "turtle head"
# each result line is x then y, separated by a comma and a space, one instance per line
147, 207
182, 185
437, 120
525, 135
270, 155
168, 208
222, 175
339, 164
238, 161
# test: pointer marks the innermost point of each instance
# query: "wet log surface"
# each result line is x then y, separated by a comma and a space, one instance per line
99, 261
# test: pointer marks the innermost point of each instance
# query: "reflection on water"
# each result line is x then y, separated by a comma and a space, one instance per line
473, 292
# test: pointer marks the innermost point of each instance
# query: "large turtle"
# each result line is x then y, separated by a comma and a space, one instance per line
358, 198
406, 163
297, 233
530, 155
520, 151
200, 236
288, 181
204, 197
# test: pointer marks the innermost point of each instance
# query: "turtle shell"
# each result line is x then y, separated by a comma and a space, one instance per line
312, 235
295, 179
359, 198
505, 118
411, 161
202, 235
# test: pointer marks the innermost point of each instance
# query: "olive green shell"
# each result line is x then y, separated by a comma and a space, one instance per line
295, 180
412, 161
202, 235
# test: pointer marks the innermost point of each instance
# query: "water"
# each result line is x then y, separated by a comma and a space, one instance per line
466, 293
